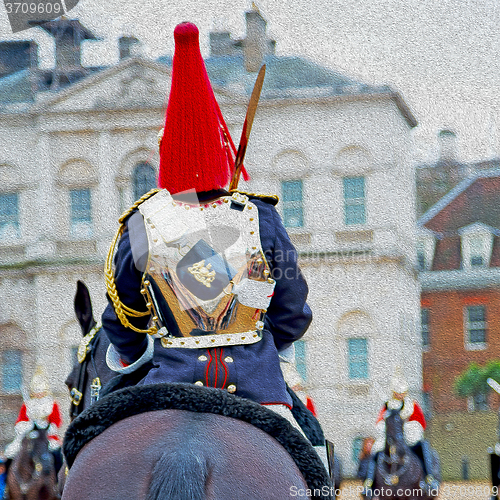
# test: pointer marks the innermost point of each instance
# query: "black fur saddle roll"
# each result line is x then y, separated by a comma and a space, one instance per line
131, 401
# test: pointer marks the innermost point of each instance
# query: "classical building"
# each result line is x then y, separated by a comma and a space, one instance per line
459, 256
78, 146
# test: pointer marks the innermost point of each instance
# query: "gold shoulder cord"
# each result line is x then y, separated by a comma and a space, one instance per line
121, 310
270, 196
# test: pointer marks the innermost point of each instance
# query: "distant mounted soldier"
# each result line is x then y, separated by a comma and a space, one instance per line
42, 410
414, 425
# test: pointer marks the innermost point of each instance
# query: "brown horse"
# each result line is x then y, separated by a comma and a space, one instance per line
32, 473
399, 473
181, 455
173, 453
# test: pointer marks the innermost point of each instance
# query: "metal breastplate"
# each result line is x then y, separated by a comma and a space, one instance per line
207, 267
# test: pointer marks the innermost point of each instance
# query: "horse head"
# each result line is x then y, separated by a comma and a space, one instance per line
39, 445
32, 474
398, 468
90, 370
394, 433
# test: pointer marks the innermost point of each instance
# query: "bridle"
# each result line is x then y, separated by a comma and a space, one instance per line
85, 355
391, 476
37, 461
391, 473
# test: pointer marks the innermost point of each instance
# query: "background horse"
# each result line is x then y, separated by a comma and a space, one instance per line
92, 365
32, 473
91, 377
399, 473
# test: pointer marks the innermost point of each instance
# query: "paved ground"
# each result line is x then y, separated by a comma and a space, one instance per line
449, 491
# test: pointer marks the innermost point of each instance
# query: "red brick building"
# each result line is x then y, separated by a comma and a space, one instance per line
459, 257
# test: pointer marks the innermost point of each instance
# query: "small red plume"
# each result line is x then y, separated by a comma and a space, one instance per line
196, 151
311, 406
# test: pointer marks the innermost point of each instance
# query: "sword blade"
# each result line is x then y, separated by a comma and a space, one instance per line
493, 384
247, 127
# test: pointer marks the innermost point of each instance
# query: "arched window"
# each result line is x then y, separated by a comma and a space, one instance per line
144, 179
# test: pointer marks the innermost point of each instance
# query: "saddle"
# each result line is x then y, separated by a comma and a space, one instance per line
134, 400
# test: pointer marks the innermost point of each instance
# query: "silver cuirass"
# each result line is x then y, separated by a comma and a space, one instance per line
206, 269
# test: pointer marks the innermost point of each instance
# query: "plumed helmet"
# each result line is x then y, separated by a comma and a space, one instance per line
399, 385
196, 149
39, 385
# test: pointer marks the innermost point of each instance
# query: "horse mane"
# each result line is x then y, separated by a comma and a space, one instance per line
173, 476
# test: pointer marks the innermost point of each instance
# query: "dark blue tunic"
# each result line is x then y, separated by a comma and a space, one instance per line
254, 369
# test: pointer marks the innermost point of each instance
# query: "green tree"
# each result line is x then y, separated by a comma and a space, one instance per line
473, 381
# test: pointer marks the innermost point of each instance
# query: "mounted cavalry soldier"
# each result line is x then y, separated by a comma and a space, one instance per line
39, 409
206, 285
414, 426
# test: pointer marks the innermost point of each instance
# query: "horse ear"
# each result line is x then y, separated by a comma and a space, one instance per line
83, 307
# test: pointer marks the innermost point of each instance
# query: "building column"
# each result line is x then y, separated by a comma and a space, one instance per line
42, 244
107, 200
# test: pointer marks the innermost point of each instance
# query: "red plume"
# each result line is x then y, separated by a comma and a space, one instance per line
196, 151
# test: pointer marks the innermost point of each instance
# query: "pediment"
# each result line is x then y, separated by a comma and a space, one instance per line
131, 84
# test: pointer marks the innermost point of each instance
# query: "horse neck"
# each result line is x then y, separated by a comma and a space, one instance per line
24, 464
395, 437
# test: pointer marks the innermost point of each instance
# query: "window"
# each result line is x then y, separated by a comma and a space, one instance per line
293, 212
477, 251
421, 260
475, 323
81, 215
300, 358
424, 326
9, 215
144, 179
354, 200
476, 245
357, 446
12, 371
358, 358
426, 244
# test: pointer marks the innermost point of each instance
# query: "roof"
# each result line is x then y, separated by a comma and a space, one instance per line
290, 77
22, 86
66, 26
283, 74
473, 203
16, 87
483, 203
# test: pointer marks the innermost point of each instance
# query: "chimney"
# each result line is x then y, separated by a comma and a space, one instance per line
447, 146
68, 35
221, 44
127, 46
16, 56
255, 45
